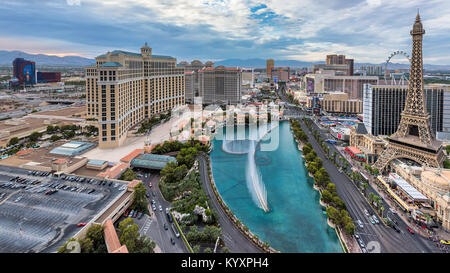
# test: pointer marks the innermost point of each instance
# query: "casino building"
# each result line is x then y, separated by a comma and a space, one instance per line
124, 88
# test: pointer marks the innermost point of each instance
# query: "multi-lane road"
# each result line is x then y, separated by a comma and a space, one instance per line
153, 226
376, 237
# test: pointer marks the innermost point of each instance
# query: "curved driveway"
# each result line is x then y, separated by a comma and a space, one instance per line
234, 239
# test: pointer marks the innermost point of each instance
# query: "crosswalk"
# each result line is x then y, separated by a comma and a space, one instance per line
146, 226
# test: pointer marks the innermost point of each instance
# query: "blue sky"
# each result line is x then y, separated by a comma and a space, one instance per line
306, 30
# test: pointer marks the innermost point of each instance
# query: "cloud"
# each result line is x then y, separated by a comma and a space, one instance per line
365, 29
73, 2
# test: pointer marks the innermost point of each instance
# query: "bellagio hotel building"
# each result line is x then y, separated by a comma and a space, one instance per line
124, 88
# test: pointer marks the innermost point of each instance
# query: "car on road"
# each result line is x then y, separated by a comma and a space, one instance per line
165, 226
372, 221
172, 241
375, 219
361, 243
366, 212
410, 230
360, 224
160, 208
396, 228
81, 224
150, 184
445, 242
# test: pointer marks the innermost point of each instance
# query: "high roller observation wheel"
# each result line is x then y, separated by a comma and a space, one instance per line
392, 55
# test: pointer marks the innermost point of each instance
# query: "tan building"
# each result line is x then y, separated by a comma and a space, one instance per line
434, 184
336, 102
369, 145
124, 88
329, 81
270, 63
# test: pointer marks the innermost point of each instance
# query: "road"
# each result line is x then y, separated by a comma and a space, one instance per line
387, 238
153, 226
234, 239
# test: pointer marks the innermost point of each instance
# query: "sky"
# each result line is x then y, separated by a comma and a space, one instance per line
304, 30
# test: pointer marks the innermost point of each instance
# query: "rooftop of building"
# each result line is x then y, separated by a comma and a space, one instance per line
111, 64
40, 158
152, 161
128, 53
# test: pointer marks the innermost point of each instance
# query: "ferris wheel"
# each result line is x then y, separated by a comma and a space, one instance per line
397, 78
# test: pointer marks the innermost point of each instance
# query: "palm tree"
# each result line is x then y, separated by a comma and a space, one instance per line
365, 185
371, 197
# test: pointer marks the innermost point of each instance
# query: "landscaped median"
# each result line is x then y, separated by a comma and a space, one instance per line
244, 229
181, 233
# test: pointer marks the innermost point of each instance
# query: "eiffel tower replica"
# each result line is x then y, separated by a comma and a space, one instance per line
414, 138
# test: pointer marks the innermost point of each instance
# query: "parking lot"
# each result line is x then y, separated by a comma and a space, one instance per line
39, 212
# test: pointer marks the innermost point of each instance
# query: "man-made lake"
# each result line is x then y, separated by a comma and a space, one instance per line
295, 221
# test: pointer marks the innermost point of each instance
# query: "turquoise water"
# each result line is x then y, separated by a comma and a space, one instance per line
296, 222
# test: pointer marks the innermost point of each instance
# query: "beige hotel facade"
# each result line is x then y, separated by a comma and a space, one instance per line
124, 88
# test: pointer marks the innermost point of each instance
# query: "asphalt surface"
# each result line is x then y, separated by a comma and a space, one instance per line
31, 221
234, 239
153, 226
389, 240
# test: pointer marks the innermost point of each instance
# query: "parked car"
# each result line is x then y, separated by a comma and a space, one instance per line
172, 241
147, 194
81, 224
127, 212
366, 212
165, 226
160, 208
410, 230
140, 215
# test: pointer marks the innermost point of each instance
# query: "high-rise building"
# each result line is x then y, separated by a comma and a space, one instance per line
124, 88
281, 74
270, 63
192, 78
335, 59
337, 63
220, 85
383, 105
24, 71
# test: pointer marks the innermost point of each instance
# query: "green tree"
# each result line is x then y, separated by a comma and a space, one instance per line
13, 141
196, 249
54, 138
207, 250
34, 136
129, 233
140, 202
128, 175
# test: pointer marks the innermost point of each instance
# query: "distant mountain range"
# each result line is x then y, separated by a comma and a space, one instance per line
7, 57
